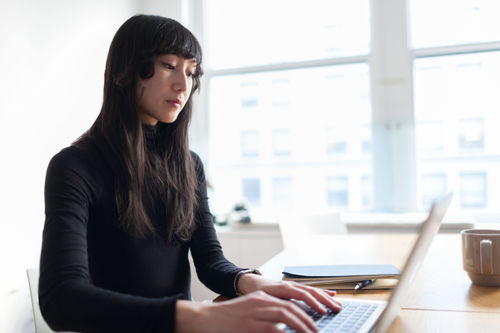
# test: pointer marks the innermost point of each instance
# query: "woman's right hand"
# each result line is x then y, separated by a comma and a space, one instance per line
254, 312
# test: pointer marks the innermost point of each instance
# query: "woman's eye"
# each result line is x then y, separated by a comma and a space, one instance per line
167, 65
190, 73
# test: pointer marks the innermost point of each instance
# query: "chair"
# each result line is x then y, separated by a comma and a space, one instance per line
294, 228
40, 325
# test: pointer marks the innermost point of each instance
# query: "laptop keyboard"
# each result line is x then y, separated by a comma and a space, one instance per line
352, 316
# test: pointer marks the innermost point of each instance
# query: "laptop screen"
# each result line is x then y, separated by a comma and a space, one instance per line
428, 230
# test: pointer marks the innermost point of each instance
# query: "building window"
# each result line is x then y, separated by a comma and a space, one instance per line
280, 88
336, 140
366, 191
251, 190
430, 138
250, 144
282, 192
473, 190
282, 145
337, 191
471, 134
366, 139
249, 97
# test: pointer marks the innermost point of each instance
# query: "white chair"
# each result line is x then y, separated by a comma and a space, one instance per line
40, 325
294, 228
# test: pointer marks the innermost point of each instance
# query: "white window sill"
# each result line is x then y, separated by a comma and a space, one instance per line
365, 223
408, 222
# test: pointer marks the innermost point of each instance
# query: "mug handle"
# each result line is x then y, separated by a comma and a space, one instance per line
485, 254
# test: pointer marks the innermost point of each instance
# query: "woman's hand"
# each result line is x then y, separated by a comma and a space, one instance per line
315, 297
255, 312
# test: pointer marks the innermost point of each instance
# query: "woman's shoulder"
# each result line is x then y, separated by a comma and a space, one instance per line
196, 158
78, 156
198, 163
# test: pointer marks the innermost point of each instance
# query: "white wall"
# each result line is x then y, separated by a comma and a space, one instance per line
52, 58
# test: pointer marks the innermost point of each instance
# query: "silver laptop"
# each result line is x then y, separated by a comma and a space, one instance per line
377, 316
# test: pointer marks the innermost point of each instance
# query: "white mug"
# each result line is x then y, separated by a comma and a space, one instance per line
481, 256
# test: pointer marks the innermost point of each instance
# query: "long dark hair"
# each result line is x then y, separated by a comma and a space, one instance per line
169, 171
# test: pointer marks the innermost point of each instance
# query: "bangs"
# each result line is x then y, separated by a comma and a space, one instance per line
161, 35
179, 41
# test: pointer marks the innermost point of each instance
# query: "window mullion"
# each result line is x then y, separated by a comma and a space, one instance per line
199, 129
392, 108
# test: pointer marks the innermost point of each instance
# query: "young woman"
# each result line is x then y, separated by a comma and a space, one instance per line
127, 200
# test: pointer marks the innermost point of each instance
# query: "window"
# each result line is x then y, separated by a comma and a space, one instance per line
282, 145
249, 96
456, 71
366, 191
379, 103
249, 143
295, 126
282, 192
262, 32
473, 190
366, 139
471, 134
251, 190
429, 31
336, 140
337, 191
455, 106
280, 97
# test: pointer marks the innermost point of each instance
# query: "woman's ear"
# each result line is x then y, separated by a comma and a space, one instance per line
139, 90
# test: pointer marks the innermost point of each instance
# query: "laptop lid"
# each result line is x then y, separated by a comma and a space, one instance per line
428, 230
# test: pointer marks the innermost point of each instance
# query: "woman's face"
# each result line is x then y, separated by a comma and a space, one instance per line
162, 97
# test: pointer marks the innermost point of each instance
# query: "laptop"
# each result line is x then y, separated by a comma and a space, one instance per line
377, 316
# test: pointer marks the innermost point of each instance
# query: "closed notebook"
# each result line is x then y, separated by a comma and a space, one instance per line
339, 273
382, 283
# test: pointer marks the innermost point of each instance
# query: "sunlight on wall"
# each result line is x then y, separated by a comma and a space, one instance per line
52, 60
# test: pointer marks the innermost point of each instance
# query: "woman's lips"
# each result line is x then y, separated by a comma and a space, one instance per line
175, 102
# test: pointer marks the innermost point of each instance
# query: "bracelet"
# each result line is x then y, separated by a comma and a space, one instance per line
240, 274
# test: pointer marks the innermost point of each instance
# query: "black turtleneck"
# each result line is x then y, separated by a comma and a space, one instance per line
94, 277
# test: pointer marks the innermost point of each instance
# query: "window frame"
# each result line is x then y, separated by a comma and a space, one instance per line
390, 61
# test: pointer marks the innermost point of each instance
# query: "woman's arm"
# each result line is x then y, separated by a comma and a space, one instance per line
212, 268
68, 299
218, 273
256, 312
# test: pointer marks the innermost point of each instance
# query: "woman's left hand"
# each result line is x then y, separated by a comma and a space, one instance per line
315, 297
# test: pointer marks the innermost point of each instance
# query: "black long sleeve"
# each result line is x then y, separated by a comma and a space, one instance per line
94, 277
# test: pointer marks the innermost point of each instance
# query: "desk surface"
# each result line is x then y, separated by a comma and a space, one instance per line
441, 292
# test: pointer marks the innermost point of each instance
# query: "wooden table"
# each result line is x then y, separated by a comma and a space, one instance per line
441, 298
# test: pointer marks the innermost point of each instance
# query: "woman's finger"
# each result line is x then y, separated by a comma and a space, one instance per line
261, 300
311, 299
321, 295
330, 292
314, 297
290, 291
293, 319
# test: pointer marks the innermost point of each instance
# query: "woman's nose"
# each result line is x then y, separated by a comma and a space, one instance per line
181, 81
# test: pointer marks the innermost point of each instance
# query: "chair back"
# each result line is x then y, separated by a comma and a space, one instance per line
295, 228
40, 325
